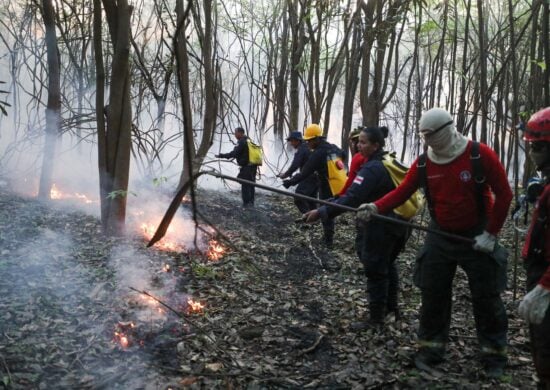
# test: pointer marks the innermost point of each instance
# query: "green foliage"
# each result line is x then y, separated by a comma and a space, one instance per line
202, 271
540, 64
428, 27
120, 193
157, 181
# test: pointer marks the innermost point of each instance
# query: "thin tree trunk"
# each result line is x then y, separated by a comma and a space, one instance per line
53, 109
119, 118
483, 99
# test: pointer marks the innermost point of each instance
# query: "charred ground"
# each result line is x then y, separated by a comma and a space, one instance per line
277, 308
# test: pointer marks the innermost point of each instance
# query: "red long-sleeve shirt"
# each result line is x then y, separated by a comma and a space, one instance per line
356, 162
453, 192
544, 202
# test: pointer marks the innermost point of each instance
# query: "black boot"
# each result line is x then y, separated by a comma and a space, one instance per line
393, 307
377, 312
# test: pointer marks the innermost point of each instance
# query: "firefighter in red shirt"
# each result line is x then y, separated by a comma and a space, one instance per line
536, 251
357, 159
464, 203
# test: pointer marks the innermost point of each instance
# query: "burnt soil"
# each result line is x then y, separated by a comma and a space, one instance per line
277, 307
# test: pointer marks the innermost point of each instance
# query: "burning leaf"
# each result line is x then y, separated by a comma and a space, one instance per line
215, 250
194, 306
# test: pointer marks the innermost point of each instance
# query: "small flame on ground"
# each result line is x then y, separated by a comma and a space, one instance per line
194, 306
56, 194
122, 339
153, 303
215, 250
149, 230
121, 333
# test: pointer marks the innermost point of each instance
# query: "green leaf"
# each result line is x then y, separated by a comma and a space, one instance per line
120, 193
429, 26
157, 181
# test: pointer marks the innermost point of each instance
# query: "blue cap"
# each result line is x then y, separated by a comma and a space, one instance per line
295, 135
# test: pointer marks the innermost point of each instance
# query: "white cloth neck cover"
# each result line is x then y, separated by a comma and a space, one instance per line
446, 144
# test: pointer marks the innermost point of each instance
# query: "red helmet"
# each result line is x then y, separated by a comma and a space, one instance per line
538, 127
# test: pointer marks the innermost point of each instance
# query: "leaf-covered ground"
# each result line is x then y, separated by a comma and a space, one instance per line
277, 308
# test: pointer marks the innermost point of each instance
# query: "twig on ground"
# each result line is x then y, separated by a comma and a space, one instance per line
315, 345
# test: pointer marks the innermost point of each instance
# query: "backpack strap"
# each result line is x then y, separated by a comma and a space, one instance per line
478, 175
423, 182
479, 178
537, 238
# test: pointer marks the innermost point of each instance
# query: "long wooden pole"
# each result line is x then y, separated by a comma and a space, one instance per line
174, 205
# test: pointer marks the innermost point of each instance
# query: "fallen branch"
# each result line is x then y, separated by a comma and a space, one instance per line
315, 254
310, 349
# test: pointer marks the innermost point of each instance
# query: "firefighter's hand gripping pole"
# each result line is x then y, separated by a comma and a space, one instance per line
163, 227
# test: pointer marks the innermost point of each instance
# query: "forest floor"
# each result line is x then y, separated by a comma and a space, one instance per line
277, 308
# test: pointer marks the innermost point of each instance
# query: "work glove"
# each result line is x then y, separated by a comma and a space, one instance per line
365, 211
286, 183
217, 156
485, 242
311, 216
534, 304
282, 175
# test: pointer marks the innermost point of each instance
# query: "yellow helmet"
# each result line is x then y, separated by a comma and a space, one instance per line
313, 130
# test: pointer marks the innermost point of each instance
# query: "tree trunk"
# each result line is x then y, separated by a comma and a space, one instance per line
483, 99
115, 157
53, 109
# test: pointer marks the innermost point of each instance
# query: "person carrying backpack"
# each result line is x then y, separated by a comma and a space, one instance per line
462, 202
308, 186
317, 164
536, 251
357, 159
247, 170
378, 243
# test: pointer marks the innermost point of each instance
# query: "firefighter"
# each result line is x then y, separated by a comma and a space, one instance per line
536, 251
466, 203
247, 171
357, 159
309, 185
317, 165
377, 243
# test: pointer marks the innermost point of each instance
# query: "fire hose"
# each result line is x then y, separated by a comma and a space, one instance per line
176, 202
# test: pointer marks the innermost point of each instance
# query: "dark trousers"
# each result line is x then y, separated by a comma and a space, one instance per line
378, 244
248, 172
540, 334
435, 270
307, 187
328, 225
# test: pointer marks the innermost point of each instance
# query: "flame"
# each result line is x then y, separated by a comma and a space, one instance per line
215, 250
148, 229
122, 339
121, 333
194, 306
166, 268
152, 303
57, 194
